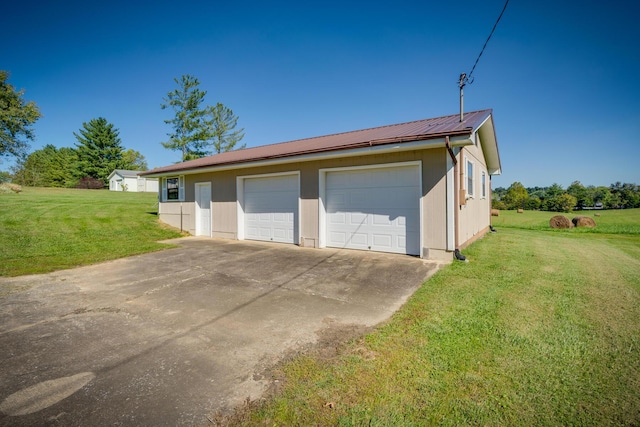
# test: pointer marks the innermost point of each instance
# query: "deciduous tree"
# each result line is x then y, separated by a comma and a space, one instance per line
581, 193
16, 118
629, 194
48, 167
561, 203
133, 160
516, 196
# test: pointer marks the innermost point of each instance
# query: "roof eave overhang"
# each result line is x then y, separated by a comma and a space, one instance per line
489, 140
381, 146
111, 175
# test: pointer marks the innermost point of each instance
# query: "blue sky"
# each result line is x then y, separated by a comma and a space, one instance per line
561, 76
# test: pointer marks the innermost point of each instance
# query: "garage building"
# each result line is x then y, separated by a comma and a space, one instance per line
419, 188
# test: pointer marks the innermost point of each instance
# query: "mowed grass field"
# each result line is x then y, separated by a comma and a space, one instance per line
540, 328
48, 229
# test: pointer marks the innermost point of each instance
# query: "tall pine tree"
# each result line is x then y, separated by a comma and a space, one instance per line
196, 128
188, 135
221, 129
99, 149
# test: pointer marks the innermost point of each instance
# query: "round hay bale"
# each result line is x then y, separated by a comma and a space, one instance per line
520, 210
560, 221
596, 214
495, 212
583, 221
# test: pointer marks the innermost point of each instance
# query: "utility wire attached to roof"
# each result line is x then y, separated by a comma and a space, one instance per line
468, 78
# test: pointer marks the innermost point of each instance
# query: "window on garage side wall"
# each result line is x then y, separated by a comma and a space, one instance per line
173, 189
483, 182
470, 191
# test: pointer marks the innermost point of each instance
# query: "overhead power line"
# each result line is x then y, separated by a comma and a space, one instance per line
468, 78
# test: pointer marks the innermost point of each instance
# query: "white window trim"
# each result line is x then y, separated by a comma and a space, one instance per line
180, 189
471, 194
483, 183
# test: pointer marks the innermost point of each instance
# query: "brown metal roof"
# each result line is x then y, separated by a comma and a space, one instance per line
404, 132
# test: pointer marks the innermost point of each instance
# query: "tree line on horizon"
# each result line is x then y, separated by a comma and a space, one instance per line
575, 197
197, 131
97, 153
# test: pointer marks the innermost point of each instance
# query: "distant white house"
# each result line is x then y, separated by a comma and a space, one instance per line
124, 180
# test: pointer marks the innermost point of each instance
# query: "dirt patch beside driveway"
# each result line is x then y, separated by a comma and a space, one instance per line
169, 337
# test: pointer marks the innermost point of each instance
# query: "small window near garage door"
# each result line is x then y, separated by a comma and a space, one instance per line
173, 189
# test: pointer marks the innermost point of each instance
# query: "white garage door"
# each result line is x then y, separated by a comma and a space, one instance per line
271, 208
374, 209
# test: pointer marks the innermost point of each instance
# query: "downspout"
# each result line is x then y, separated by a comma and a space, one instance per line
456, 191
493, 230
459, 191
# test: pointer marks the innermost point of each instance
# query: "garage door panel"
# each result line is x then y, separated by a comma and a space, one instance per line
357, 218
338, 218
271, 208
280, 234
360, 198
374, 209
280, 217
338, 237
383, 240
265, 233
360, 239
382, 220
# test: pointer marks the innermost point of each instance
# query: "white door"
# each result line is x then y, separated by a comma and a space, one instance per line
374, 209
203, 209
271, 208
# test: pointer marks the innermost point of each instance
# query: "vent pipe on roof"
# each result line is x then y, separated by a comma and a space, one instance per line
461, 83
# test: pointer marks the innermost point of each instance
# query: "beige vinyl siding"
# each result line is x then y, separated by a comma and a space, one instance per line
224, 195
474, 216
179, 215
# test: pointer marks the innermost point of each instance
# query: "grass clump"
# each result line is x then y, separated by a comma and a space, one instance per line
539, 328
50, 229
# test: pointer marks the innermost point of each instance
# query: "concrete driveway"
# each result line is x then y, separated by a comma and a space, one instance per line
170, 337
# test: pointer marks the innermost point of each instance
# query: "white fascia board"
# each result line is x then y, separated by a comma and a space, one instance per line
457, 141
490, 146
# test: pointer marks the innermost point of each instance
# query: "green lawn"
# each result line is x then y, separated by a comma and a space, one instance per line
51, 229
541, 327
622, 221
